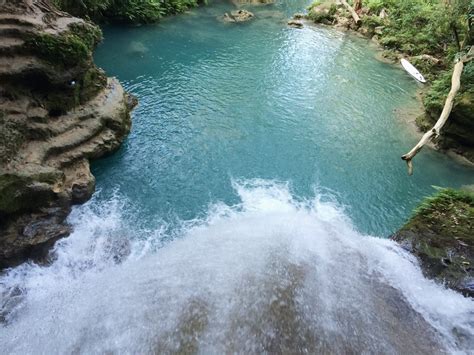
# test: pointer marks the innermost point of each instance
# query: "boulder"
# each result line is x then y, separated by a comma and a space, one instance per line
252, 2
295, 23
441, 235
238, 16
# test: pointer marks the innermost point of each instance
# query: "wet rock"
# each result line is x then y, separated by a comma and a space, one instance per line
253, 2
57, 111
30, 236
295, 23
238, 16
441, 236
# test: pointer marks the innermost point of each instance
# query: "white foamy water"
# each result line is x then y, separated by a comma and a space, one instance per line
270, 274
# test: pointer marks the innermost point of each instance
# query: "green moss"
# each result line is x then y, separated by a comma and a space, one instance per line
70, 48
19, 192
90, 34
441, 235
90, 83
65, 50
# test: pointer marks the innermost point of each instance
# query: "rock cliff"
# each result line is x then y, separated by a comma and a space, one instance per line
57, 111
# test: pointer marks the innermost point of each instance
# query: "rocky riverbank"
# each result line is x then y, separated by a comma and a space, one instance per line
57, 111
378, 25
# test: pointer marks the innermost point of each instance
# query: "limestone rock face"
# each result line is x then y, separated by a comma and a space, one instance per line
57, 111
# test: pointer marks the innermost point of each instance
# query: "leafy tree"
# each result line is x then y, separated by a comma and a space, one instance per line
132, 11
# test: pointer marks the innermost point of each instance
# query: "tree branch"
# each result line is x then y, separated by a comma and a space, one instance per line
448, 106
351, 10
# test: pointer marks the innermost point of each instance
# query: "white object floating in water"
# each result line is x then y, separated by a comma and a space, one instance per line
412, 71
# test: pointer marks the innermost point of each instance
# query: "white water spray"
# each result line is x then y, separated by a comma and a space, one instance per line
270, 274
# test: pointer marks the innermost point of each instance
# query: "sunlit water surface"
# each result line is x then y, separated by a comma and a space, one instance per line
248, 209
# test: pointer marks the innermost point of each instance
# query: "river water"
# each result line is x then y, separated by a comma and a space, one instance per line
249, 209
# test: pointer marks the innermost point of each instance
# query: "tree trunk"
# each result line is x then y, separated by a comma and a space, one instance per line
448, 106
351, 10
357, 5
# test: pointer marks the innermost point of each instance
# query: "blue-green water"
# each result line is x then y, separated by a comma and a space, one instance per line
311, 107
234, 218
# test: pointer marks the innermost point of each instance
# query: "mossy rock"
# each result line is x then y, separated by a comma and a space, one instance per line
27, 191
69, 48
59, 100
441, 235
322, 12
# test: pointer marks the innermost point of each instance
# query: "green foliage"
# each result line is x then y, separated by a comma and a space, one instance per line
83, 8
422, 26
372, 21
322, 12
444, 200
375, 6
136, 11
130, 11
436, 96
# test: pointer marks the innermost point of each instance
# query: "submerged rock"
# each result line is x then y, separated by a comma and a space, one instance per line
57, 111
238, 16
441, 236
